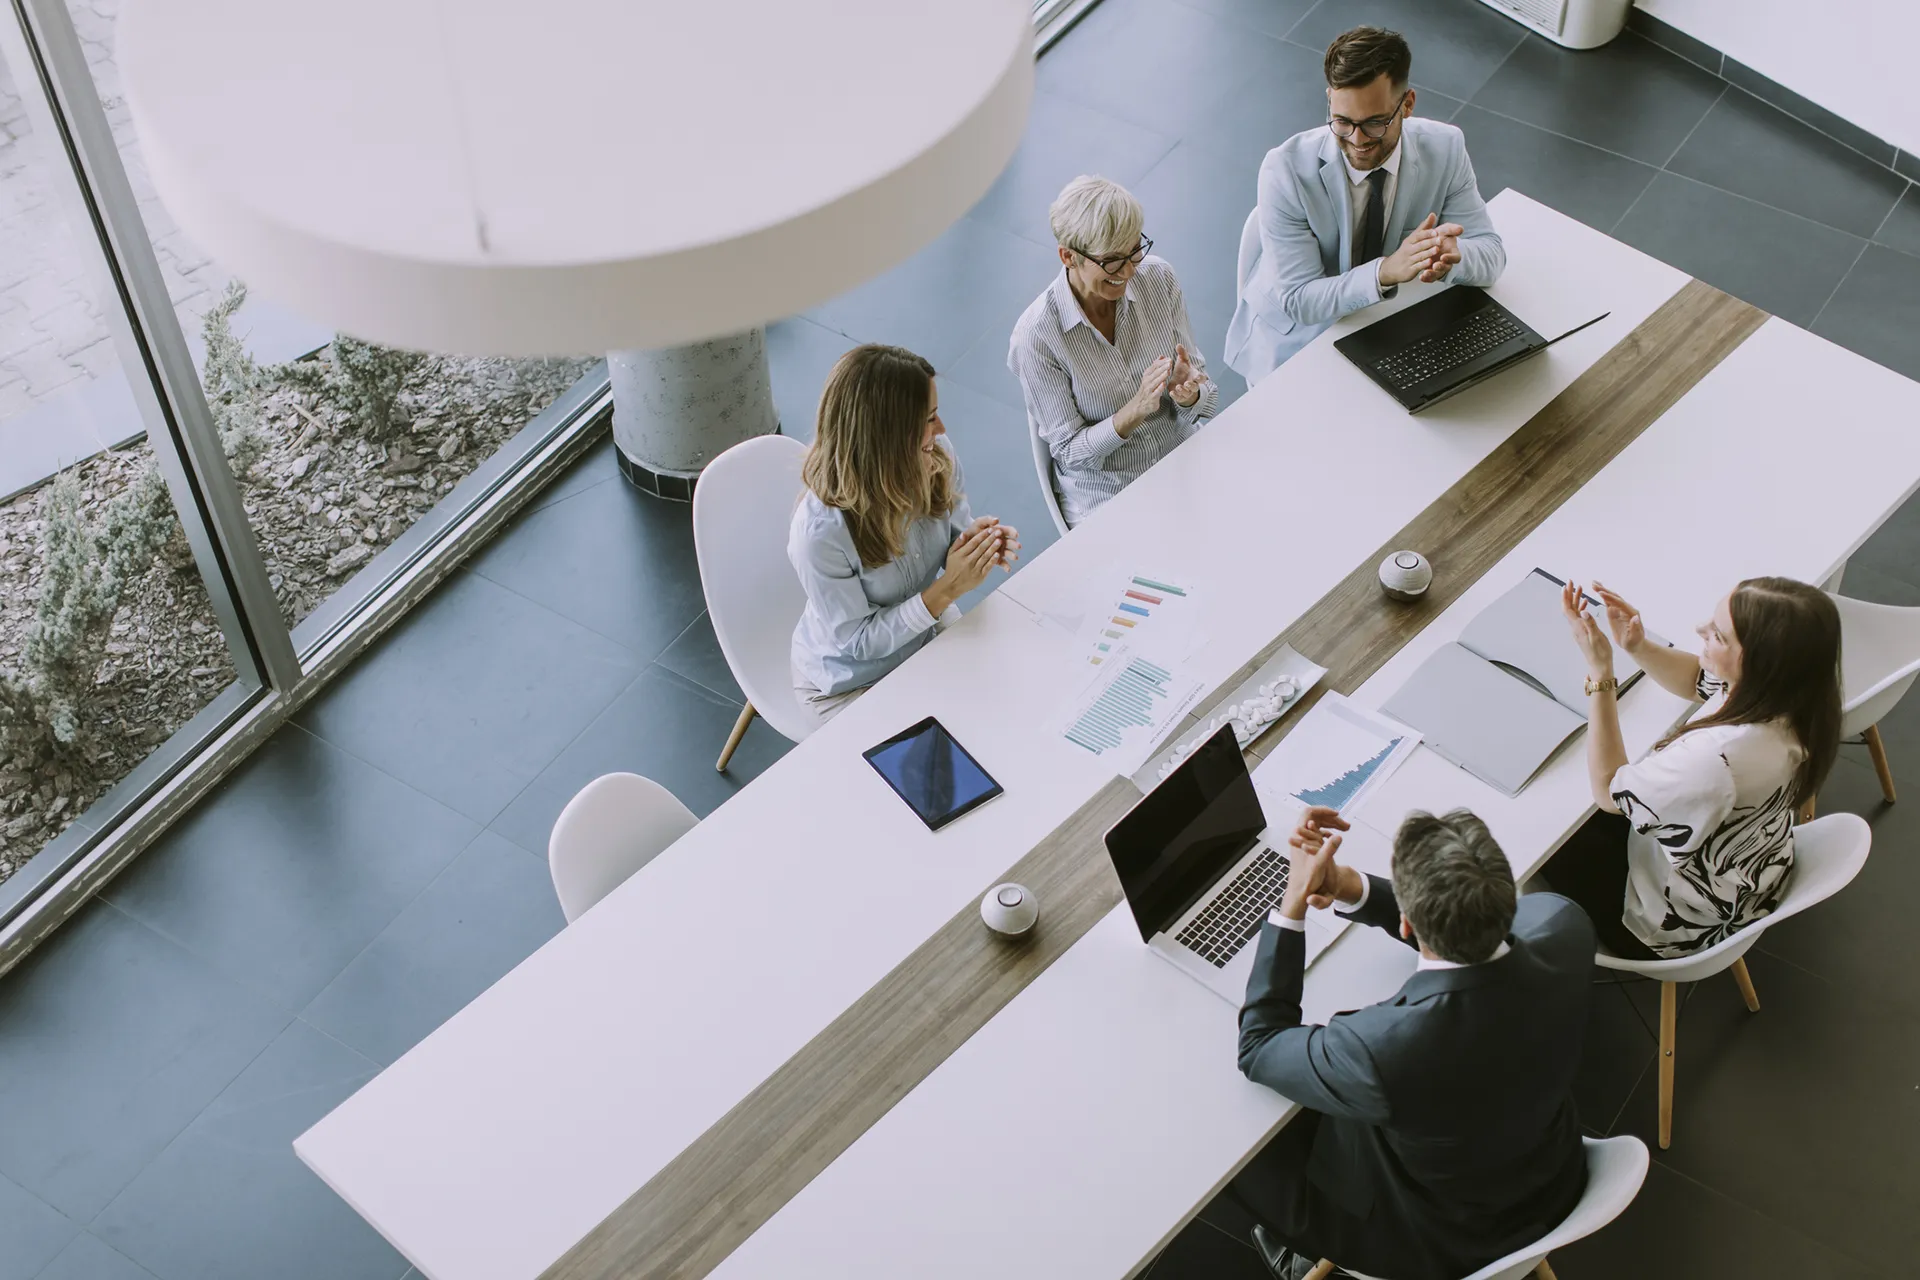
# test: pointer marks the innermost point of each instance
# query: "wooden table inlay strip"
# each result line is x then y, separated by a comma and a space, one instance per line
1354, 629
757, 1157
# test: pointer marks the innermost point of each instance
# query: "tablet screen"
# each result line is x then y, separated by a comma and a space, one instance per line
932, 773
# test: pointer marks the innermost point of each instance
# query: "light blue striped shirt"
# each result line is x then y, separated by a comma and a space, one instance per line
863, 621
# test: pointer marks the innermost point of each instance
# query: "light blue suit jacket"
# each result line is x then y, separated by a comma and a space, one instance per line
1302, 278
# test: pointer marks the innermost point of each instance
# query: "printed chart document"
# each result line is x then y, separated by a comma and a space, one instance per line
1130, 703
1336, 756
1286, 676
1136, 612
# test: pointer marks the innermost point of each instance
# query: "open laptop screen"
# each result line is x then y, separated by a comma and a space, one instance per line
1186, 833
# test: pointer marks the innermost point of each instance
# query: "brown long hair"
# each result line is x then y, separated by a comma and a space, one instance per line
866, 460
1789, 635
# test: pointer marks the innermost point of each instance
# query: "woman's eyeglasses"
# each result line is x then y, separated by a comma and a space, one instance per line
1113, 264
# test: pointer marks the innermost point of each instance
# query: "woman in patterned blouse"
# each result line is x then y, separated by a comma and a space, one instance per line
1695, 839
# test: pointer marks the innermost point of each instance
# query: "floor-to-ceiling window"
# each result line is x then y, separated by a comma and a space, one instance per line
108, 639
208, 503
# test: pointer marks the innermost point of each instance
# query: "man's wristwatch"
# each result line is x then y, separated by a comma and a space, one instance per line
1607, 685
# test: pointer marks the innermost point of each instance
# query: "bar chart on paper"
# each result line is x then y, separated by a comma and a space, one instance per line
1336, 755
1340, 792
1138, 609
1127, 708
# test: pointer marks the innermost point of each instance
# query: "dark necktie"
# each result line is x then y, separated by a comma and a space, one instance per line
1373, 223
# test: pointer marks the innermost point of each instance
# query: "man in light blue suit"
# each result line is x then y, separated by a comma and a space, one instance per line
1348, 212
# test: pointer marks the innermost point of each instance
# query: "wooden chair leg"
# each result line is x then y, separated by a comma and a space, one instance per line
1878, 750
1669, 1020
1321, 1271
1745, 979
733, 739
1544, 1272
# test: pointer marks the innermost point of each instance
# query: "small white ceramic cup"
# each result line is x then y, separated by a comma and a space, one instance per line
1405, 575
1010, 909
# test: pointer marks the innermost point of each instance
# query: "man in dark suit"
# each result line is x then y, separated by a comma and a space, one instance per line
1440, 1131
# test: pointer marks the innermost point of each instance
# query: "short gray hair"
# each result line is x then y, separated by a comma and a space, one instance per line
1095, 217
1454, 885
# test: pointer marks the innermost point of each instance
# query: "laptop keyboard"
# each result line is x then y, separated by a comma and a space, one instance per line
1233, 917
1431, 357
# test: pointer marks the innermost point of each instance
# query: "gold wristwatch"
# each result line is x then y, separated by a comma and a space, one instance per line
1608, 685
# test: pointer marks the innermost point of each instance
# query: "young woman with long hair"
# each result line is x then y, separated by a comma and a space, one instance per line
1695, 839
883, 539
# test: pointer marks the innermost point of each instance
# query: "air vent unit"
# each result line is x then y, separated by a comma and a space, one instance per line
1578, 24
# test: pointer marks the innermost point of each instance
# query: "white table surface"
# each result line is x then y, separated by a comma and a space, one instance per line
1081, 1128
507, 1134
1315, 467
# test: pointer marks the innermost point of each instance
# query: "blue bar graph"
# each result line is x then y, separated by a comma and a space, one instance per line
1125, 704
1339, 793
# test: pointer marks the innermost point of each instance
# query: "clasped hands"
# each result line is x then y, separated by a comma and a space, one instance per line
985, 543
1427, 254
1314, 878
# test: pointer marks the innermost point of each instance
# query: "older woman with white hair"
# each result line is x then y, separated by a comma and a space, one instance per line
1105, 356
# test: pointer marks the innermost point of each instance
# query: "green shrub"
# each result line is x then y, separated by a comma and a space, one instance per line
361, 379
235, 386
86, 567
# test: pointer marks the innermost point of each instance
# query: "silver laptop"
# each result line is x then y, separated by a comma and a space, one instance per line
1200, 872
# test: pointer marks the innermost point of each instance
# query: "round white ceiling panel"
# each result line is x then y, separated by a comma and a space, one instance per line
511, 177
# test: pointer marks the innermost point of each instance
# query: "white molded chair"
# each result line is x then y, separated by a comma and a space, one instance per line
742, 508
1879, 661
1827, 854
616, 825
1615, 1169
1043, 467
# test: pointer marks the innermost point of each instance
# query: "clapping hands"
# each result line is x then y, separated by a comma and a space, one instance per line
1183, 382
1592, 641
1623, 620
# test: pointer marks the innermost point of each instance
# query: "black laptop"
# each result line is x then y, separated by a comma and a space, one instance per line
1441, 346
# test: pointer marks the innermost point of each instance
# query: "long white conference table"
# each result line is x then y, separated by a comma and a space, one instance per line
1079, 1128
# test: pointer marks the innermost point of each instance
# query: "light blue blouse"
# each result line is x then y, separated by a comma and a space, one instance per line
861, 622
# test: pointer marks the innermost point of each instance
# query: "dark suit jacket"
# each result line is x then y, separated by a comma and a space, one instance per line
1450, 1135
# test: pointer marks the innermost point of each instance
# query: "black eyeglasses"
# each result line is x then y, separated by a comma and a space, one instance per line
1376, 128
1114, 263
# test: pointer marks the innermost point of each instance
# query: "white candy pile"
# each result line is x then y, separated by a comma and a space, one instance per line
1248, 719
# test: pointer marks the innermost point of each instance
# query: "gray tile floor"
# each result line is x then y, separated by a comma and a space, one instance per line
380, 862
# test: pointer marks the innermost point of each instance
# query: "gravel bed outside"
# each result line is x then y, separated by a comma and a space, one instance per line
322, 499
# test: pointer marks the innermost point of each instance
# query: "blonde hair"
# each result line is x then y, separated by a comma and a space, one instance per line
1095, 217
866, 460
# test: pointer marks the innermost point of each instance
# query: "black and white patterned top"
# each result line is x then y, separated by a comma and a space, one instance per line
1711, 842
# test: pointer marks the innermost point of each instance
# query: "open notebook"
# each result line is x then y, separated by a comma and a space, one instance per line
1502, 699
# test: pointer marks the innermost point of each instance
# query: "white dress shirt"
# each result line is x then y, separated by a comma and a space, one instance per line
1357, 207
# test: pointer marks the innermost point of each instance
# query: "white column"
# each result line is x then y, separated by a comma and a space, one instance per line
678, 408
